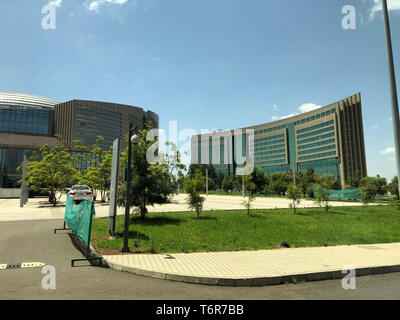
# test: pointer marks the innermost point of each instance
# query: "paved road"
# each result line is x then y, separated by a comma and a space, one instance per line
26, 241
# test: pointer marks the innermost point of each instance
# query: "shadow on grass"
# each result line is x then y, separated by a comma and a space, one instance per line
133, 235
156, 221
257, 216
334, 212
205, 218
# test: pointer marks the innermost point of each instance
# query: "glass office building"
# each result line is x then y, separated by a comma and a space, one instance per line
28, 122
329, 139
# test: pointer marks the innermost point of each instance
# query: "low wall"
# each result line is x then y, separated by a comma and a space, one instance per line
10, 193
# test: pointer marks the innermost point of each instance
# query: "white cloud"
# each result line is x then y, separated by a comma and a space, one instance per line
55, 3
306, 107
375, 127
387, 151
393, 5
275, 118
275, 107
94, 5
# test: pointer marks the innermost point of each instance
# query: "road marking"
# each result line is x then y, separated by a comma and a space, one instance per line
32, 264
22, 265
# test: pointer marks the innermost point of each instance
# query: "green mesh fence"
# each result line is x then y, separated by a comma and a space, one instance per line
79, 218
350, 194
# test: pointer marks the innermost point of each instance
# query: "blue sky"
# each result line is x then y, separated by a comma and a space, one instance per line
207, 64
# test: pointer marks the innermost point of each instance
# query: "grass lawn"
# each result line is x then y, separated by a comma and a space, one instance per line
264, 229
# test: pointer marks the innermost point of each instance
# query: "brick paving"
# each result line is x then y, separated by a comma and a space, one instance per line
262, 267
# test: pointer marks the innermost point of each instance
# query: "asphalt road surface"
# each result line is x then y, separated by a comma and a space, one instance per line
34, 241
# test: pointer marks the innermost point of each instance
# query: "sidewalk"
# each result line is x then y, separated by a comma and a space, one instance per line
39, 208
264, 267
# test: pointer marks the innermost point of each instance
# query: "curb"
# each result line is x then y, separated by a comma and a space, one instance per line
81, 246
254, 282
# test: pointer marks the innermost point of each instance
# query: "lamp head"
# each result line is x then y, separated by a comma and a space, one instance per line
135, 139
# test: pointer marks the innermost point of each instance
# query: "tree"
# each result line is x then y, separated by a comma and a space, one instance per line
96, 167
152, 183
236, 183
180, 178
280, 182
227, 183
355, 180
381, 184
211, 184
52, 168
369, 188
294, 193
324, 186
309, 182
173, 161
250, 189
193, 187
202, 168
259, 179
365, 200
301, 182
393, 187
218, 181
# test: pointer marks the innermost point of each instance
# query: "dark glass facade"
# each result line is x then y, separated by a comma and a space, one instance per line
26, 120
10, 160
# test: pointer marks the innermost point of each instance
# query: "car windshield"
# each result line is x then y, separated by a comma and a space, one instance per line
80, 188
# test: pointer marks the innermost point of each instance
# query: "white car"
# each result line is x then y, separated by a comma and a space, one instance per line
80, 193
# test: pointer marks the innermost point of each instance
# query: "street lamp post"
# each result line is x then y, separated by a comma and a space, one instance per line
128, 187
393, 89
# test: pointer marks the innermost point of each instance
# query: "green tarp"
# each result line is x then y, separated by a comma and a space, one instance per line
79, 218
350, 194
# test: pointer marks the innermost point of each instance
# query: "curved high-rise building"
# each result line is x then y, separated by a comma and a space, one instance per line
86, 120
329, 139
